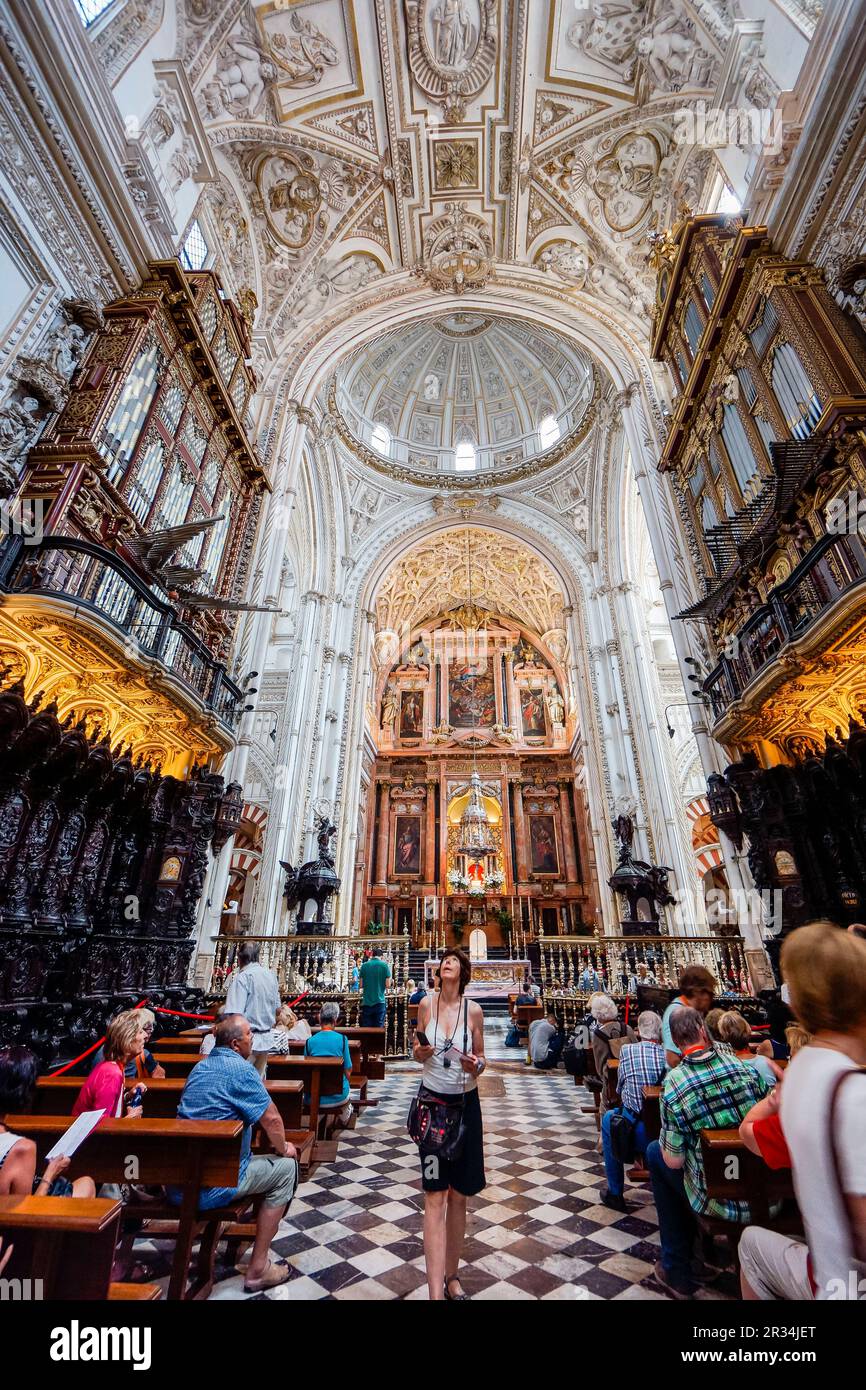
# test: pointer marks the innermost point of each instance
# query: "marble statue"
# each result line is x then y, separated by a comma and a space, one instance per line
454, 35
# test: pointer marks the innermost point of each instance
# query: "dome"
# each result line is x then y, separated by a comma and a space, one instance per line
464, 392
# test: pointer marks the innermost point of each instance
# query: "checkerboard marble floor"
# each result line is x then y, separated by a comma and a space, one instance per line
538, 1231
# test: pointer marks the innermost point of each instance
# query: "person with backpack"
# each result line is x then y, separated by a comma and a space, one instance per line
640, 1064
608, 1037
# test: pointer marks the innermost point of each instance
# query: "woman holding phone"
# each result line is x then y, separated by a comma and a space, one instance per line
450, 1042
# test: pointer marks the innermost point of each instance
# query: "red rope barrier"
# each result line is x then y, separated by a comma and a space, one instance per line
175, 1013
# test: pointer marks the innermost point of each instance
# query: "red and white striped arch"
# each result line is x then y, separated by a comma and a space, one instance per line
705, 836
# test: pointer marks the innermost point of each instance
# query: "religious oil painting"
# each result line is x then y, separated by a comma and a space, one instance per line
407, 845
411, 714
532, 713
472, 698
542, 845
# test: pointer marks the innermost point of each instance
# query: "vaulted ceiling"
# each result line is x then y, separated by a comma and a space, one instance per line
347, 139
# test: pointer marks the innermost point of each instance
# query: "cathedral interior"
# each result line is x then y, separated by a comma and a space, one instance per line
432, 452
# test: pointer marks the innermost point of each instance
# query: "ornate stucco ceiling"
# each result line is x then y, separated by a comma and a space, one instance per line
460, 377
506, 578
339, 141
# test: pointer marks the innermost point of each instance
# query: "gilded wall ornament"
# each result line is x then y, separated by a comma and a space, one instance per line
456, 164
291, 196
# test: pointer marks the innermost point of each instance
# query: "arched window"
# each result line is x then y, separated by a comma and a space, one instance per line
548, 431
381, 439
195, 251
464, 458
90, 10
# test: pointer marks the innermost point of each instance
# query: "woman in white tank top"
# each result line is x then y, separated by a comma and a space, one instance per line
444, 1020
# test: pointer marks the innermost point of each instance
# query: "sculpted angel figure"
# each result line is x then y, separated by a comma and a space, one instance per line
670, 53
244, 72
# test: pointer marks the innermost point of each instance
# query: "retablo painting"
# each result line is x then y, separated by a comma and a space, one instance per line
471, 695
407, 845
532, 713
411, 714
543, 857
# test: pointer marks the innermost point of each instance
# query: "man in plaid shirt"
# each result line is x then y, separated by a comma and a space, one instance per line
708, 1090
640, 1064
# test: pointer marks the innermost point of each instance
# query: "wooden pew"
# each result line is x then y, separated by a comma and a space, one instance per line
56, 1095
651, 1111
189, 1154
68, 1244
527, 1014
320, 1075
733, 1173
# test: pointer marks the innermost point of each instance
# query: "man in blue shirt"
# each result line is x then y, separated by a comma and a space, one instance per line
375, 973
329, 1043
226, 1086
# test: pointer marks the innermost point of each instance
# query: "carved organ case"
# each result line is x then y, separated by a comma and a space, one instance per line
155, 434
766, 439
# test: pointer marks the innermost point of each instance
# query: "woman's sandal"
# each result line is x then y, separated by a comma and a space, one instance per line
273, 1276
460, 1297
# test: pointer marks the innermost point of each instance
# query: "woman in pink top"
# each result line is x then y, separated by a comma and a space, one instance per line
103, 1089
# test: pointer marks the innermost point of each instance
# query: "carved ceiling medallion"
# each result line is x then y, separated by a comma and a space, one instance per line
291, 196
452, 49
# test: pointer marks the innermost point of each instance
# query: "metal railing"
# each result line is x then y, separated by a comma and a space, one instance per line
91, 577
320, 968
319, 965
833, 567
577, 965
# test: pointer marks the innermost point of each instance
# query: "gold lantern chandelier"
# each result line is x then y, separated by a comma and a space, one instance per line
476, 837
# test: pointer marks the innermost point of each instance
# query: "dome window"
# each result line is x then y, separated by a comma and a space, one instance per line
381, 440
548, 431
464, 458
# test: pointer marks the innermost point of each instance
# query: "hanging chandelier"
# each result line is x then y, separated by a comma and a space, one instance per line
476, 837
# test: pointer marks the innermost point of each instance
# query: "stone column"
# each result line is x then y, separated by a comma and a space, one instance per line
567, 834
384, 831
520, 834
430, 836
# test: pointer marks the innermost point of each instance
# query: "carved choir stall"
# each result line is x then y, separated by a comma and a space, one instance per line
767, 456
102, 862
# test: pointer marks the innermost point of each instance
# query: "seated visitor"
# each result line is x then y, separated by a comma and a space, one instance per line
224, 1086
417, 993
106, 1087
823, 1126
761, 1128
290, 1027
736, 1032
642, 976
711, 1023
640, 1064
143, 1067
329, 1043
589, 980
18, 1072
608, 1037
696, 989
545, 1041
207, 1041
706, 1090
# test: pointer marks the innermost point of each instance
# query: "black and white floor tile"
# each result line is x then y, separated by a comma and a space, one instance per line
538, 1231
